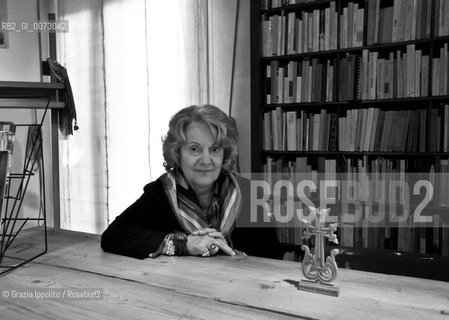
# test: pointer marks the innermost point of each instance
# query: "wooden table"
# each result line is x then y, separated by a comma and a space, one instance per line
218, 287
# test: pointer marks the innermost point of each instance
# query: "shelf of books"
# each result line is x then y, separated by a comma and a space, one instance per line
357, 92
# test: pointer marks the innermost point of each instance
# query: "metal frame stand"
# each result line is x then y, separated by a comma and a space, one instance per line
11, 223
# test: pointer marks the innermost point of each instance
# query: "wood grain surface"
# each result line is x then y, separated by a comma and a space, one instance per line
218, 287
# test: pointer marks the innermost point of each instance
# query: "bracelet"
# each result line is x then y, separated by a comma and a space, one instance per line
166, 247
170, 247
173, 244
180, 244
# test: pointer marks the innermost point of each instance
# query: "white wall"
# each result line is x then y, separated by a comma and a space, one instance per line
242, 86
222, 27
20, 62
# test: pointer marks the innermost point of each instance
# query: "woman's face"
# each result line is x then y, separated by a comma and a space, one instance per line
201, 158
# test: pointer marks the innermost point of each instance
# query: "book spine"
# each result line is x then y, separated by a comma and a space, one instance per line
396, 19
446, 128
267, 131
291, 130
268, 84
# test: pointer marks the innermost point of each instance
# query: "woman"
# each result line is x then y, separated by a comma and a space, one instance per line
193, 208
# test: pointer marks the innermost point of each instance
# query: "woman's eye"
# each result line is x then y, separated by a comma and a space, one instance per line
215, 150
194, 149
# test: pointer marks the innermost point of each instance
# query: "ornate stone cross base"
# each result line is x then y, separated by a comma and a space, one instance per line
319, 272
321, 288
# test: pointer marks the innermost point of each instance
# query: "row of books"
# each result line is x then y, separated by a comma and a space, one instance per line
351, 26
315, 30
373, 129
366, 77
406, 235
290, 232
271, 4
424, 240
285, 131
439, 177
302, 32
387, 77
441, 21
440, 72
377, 181
300, 169
365, 232
405, 238
301, 81
400, 20
366, 129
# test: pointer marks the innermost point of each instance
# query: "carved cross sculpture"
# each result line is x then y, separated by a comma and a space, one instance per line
314, 266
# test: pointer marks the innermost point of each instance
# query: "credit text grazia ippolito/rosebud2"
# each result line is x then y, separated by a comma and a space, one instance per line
378, 201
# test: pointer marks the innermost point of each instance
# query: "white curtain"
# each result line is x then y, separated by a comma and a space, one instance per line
132, 65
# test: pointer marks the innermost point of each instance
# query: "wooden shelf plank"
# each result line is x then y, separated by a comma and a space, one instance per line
405, 102
353, 153
31, 85
35, 103
30, 95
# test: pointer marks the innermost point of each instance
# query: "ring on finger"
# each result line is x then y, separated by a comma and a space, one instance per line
206, 254
213, 248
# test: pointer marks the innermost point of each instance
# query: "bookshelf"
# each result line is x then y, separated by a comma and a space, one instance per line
357, 91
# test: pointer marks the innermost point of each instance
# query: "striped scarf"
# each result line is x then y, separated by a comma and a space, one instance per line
190, 216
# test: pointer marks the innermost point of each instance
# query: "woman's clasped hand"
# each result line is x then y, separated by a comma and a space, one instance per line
207, 242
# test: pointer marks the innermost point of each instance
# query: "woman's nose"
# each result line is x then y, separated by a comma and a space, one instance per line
205, 157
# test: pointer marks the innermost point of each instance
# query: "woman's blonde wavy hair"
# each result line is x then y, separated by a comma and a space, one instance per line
222, 126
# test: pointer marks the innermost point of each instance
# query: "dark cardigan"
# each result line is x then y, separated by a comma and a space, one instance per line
140, 229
